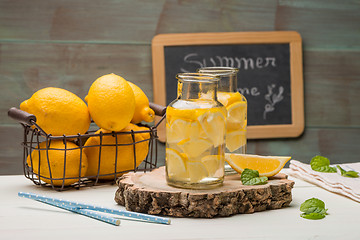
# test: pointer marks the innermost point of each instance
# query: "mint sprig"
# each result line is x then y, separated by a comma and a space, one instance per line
322, 164
252, 177
313, 209
351, 174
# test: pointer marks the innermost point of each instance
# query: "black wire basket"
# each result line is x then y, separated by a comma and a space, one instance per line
41, 169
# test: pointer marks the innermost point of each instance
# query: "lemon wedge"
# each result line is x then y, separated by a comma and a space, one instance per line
175, 164
266, 165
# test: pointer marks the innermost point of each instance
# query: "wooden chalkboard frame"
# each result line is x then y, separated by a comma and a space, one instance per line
294, 129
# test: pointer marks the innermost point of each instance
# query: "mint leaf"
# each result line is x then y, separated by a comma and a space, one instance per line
312, 205
313, 216
313, 208
252, 177
322, 164
351, 174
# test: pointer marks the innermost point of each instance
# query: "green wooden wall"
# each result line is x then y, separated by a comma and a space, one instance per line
69, 44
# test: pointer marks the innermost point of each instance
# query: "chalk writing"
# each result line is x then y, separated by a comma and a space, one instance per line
224, 61
272, 99
252, 91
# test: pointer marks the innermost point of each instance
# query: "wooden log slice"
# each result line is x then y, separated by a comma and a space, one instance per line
149, 193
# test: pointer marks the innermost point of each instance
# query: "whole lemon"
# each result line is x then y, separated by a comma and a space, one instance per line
111, 102
58, 111
56, 162
142, 110
125, 153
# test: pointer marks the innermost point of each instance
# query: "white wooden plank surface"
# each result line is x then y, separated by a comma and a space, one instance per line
22, 218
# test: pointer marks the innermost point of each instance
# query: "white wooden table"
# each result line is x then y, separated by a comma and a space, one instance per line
22, 218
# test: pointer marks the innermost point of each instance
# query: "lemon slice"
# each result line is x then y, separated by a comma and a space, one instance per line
193, 148
223, 97
233, 126
214, 164
193, 130
235, 140
175, 164
213, 124
196, 171
266, 165
228, 98
181, 129
237, 112
172, 114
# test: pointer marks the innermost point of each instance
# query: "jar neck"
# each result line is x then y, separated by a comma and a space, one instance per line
227, 75
228, 83
192, 90
194, 86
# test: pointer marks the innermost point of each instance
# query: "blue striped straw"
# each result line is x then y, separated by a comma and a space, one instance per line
84, 212
81, 208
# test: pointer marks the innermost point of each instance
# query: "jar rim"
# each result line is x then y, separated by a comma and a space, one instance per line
220, 71
198, 77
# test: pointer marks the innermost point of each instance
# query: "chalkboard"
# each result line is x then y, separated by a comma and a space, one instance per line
270, 73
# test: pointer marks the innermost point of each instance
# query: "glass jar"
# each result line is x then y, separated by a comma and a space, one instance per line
195, 134
236, 106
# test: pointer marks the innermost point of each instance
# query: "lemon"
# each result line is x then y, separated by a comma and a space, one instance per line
58, 111
143, 131
214, 164
266, 165
175, 164
235, 140
57, 161
124, 153
213, 124
142, 110
111, 102
193, 148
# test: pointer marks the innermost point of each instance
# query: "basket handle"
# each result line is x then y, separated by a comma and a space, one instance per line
21, 116
158, 109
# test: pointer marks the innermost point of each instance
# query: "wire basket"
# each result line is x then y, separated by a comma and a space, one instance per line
41, 169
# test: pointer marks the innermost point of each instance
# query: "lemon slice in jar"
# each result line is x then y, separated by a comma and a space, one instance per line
181, 129
193, 148
176, 164
196, 171
237, 113
235, 140
228, 98
213, 164
213, 125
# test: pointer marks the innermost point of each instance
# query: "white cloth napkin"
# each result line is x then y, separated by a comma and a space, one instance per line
332, 182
